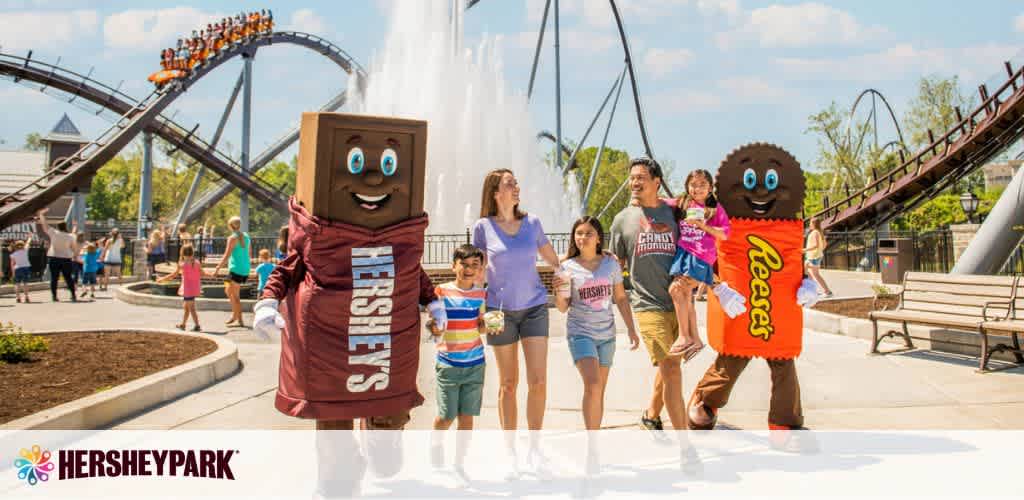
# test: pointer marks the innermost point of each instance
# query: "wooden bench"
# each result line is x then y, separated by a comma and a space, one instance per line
982, 305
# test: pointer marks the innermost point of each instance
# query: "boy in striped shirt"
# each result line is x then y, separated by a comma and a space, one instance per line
460, 351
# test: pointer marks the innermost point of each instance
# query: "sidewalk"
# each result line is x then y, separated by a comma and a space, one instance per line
842, 386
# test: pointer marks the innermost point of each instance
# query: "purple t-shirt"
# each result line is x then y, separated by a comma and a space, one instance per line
513, 283
697, 241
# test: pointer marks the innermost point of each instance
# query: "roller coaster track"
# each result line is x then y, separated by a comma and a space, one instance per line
993, 125
137, 116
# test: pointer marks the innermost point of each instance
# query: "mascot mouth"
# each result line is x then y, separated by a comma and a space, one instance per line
760, 208
370, 202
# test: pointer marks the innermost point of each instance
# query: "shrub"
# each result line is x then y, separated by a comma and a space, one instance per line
882, 290
16, 345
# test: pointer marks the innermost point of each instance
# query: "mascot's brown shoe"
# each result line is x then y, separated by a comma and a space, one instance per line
700, 416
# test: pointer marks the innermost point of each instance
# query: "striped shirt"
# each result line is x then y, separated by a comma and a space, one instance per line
460, 344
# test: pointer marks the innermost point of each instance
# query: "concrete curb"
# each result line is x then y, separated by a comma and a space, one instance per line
103, 408
38, 286
820, 321
130, 295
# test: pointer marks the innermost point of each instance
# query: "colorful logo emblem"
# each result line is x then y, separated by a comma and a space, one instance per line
34, 465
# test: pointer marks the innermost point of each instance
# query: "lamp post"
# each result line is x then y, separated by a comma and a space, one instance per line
969, 203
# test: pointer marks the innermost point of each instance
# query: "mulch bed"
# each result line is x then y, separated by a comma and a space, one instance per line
856, 308
82, 364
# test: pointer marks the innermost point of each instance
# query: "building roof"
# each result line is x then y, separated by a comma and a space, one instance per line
65, 131
18, 168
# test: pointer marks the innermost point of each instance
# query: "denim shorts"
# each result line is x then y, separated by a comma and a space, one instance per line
532, 322
582, 346
814, 262
22, 274
686, 264
89, 278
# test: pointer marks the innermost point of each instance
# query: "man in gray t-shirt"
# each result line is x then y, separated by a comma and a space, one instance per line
644, 238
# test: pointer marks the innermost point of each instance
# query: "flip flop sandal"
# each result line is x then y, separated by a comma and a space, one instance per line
692, 351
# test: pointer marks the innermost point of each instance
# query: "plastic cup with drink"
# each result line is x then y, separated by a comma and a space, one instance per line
494, 320
564, 288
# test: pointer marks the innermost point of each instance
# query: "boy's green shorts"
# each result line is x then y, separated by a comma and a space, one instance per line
460, 390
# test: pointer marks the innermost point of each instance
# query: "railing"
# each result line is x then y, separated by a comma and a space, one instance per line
858, 250
37, 257
1015, 264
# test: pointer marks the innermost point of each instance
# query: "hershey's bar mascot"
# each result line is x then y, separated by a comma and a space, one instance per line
350, 289
761, 187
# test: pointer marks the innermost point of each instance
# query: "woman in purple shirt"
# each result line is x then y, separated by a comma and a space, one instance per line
511, 240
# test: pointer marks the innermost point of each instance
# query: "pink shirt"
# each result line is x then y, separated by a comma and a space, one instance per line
191, 280
696, 240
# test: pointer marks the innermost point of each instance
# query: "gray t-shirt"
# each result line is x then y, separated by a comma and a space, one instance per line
645, 238
590, 305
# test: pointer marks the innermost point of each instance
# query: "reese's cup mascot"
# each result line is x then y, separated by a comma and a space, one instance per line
761, 187
350, 288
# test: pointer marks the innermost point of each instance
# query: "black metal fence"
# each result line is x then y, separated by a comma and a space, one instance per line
1015, 265
858, 250
37, 258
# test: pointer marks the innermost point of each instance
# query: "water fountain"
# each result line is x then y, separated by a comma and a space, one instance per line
476, 123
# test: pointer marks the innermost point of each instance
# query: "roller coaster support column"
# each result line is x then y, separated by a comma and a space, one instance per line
996, 239
243, 205
558, 95
213, 142
145, 185
78, 210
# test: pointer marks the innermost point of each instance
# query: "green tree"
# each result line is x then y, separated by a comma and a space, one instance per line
34, 142
842, 155
934, 108
611, 174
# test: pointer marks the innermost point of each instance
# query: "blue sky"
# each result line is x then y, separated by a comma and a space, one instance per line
713, 74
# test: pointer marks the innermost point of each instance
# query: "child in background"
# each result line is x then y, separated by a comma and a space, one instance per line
282, 244
90, 264
460, 353
191, 284
22, 269
701, 221
264, 269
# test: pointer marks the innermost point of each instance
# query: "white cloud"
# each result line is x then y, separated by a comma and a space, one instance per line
306, 21
681, 101
972, 64
1018, 23
153, 29
803, 25
728, 8
752, 89
598, 13
45, 30
728, 93
663, 62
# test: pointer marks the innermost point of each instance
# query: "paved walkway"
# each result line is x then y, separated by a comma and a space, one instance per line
842, 386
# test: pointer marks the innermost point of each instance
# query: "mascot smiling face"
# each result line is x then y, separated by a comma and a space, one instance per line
761, 181
361, 170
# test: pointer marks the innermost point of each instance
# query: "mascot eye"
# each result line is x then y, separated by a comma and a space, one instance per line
749, 179
389, 162
356, 161
771, 180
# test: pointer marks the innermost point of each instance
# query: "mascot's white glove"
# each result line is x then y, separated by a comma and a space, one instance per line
267, 323
731, 300
807, 294
438, 313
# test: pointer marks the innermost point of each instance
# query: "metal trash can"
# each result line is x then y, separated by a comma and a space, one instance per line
895, 257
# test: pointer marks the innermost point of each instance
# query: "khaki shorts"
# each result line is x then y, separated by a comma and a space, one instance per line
659, 330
